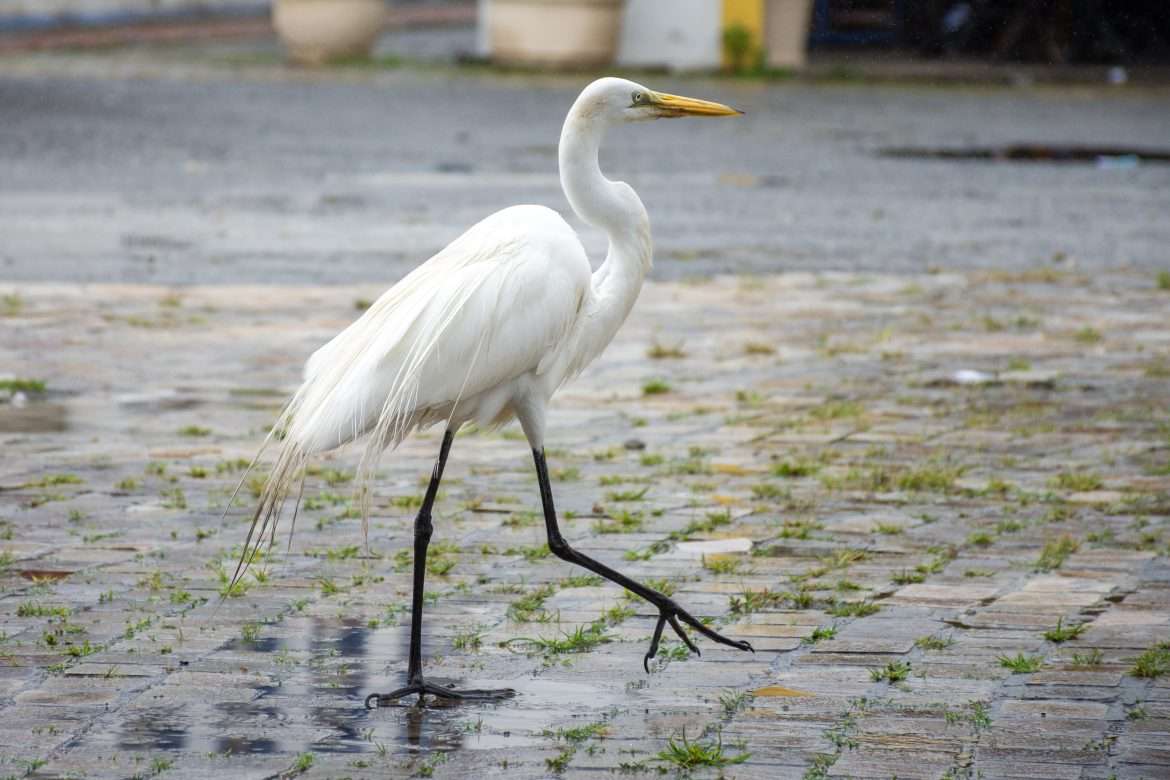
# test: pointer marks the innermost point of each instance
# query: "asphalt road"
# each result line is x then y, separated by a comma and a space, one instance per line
116, 169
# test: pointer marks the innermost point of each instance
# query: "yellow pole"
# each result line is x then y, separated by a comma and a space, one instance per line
748, 14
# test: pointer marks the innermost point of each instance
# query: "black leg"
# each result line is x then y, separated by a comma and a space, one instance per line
668, 610
423, 528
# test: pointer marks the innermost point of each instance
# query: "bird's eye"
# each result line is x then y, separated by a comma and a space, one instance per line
638, 97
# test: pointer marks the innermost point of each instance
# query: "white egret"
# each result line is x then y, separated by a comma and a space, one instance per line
486, 331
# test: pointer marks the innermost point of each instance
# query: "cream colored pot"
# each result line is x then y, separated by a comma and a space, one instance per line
561, 33
317, 31
786, 32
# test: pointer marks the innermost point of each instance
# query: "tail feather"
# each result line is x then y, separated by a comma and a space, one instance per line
332, 372
266, 518
296, 510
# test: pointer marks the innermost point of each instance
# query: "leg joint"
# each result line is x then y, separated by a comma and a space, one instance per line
560, 548
423, 528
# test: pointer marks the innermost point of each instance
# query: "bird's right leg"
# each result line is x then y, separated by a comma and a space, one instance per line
423, 528
668, 610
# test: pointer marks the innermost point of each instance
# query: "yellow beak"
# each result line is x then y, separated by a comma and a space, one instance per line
676, 105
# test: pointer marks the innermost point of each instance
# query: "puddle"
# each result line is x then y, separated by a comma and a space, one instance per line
245, 745
157, 729
265, 645
513, 723
316, 704
172, 728
1101, 156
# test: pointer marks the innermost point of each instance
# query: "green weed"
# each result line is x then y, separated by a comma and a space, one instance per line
524, 609
27, 386
1055, 551
1153, 663
755, 600
1063, 633
659, 351
1088, 658
1077, 481
794, 469
686, 755
655, 387
734, 701
820, 633
623, 522
470, 640
892, 672
853, 609
934, 642
1020, 663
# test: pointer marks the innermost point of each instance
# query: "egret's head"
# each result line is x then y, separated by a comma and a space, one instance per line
621, 100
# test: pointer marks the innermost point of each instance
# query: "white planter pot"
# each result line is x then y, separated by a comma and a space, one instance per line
317, 31
786, 32
560, 33
675, 34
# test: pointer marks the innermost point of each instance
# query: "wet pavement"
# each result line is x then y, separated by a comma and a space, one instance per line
937, 501
857, 472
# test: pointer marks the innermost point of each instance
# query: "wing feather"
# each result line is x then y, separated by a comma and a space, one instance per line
491, 306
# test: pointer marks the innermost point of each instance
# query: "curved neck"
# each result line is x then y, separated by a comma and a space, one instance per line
597, 200
613, 207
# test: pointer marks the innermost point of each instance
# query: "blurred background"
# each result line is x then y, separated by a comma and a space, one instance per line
748, 34
1122, 32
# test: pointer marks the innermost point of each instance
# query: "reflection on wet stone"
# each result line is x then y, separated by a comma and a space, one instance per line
160, 729
235, 746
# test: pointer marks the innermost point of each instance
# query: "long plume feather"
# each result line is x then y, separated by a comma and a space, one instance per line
433, 296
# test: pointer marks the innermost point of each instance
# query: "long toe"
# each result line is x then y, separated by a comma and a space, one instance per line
375, 700
654, 640
683, 635
714, 635
423, 689
488, 694
738, 644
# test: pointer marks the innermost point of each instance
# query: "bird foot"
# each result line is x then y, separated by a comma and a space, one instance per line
421, 688
670, 612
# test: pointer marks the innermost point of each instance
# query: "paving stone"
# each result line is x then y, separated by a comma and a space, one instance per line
1054, 709
865, 646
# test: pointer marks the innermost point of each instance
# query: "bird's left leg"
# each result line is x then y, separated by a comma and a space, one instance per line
668, 610
415, 684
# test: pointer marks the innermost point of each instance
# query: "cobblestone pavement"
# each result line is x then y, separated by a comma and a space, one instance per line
936, 504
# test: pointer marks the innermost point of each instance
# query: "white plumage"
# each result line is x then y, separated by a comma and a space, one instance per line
499, 303
487, 329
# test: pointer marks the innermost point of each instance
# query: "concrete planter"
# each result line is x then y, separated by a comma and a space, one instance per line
560, 33
317, 31
786, 32
672, 34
